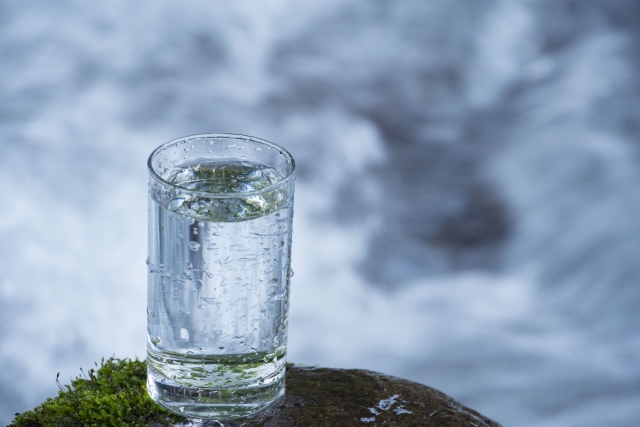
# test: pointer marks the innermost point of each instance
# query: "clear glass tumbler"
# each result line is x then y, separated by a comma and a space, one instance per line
220, 214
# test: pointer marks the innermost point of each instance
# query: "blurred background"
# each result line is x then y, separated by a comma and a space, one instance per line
467, 199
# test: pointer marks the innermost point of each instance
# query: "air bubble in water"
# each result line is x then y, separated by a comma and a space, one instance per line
184, 334
195, 246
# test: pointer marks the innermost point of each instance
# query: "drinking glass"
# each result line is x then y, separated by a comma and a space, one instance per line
220, 216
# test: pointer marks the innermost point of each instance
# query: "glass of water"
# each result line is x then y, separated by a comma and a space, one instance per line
220, 213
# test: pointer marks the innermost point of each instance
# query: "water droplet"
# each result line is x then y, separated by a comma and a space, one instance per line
274, 280
188, 265
148, 261
209, 300
184, 334
221, 347
157, 341
195, 246
191, 221
290, 274
385, 404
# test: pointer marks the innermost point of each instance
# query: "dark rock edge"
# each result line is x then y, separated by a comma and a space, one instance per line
354, 397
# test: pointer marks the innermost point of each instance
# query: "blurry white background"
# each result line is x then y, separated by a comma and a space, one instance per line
467, 199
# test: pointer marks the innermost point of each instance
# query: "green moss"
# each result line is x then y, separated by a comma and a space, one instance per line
114, 395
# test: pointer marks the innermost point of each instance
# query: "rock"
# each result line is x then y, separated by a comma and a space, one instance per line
114, 395
334, 397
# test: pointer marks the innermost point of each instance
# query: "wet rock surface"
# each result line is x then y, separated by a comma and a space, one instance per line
335, 397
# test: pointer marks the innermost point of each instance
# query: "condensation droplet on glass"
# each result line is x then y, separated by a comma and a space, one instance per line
191, 221
188, 265
184, 334
274, 280
195, 246
148, 261
290, 274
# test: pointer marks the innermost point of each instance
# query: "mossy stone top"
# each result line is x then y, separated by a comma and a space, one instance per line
115, 395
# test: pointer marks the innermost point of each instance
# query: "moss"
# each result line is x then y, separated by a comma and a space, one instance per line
114, 395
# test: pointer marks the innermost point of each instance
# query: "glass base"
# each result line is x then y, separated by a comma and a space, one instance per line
216, 403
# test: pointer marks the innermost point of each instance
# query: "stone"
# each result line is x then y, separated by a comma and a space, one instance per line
114, 395
335, 397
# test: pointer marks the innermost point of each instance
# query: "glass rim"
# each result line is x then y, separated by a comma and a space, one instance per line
238, 137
